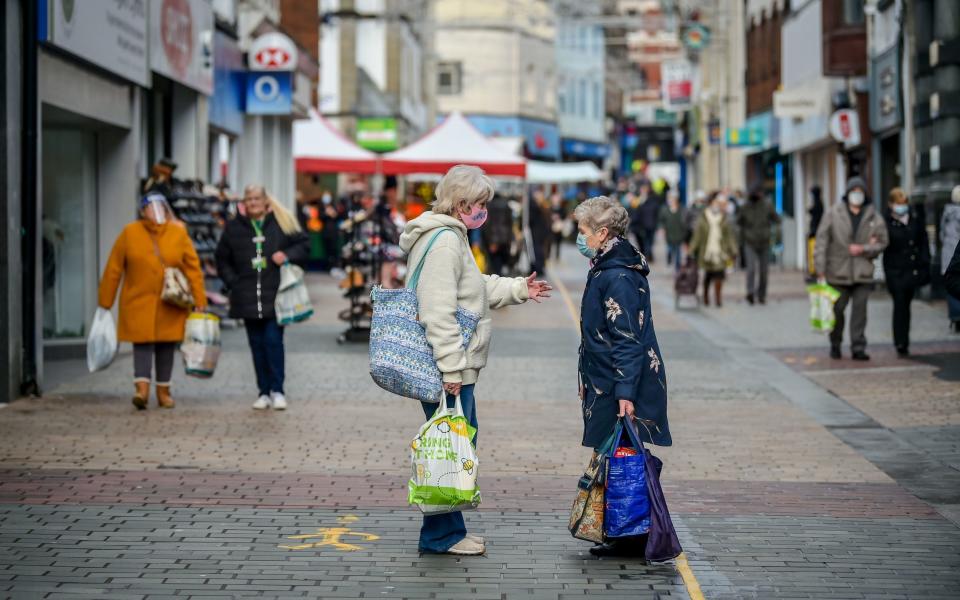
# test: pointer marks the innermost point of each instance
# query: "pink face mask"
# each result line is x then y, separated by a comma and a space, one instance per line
475, 218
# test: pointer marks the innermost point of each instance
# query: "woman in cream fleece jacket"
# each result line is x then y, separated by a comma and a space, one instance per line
451, 279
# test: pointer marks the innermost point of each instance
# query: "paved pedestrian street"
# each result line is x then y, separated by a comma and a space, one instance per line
791, 475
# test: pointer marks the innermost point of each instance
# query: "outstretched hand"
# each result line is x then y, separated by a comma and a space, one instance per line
537, 288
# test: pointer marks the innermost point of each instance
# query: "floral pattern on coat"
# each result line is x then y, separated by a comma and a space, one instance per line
619, 354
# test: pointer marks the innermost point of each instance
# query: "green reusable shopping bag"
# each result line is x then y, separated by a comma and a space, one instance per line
444, 463
822, 299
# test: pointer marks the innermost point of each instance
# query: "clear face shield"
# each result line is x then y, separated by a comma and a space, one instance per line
155, 208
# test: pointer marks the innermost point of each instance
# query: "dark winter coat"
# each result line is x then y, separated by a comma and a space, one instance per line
674, 224
755, 218
951, 277
619, 354
645, 216
252, 293
906, 260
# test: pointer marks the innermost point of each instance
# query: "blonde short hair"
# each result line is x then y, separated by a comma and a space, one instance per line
462, 187
897, 195
597, 213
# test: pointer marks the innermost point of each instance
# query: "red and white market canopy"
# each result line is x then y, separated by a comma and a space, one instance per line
453, 142
319, 147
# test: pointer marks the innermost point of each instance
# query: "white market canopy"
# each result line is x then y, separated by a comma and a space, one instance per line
453, 142
319, 147
547, 172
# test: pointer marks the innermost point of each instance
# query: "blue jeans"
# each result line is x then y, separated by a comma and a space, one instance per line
441, 532
266, 344
673, 255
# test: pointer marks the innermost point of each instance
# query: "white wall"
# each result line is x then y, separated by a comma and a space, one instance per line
330, 61
490, 78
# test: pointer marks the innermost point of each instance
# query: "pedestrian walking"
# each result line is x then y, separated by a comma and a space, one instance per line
450, 279
558, 223
645, 221
715, 246
147, 252
906, 263
251, 251
540, 233
850, 236
756, 218
816, 213
621, 369
949, 240
498, 234
673, 220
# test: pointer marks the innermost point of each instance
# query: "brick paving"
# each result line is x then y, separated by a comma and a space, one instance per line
775, 494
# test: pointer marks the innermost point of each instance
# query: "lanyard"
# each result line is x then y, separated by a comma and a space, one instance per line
259, 263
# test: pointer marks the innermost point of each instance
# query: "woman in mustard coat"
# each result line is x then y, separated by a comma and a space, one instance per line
154, 326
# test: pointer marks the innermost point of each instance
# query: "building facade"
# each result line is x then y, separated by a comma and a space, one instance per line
581, 74
375, 57
496, 64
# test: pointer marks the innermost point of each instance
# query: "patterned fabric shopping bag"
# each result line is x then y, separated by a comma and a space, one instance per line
401, 358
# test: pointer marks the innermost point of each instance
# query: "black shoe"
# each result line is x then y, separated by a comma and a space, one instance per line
762, 300
750, 299
835, 353
903, 351
619, 548
861, 355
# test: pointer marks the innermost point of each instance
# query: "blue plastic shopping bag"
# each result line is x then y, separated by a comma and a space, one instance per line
627, 511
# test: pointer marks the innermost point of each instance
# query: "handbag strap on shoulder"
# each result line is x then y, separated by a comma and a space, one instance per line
156, 247
415, 277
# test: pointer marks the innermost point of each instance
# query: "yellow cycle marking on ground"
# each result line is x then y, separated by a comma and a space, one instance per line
571, 307
689, 579
330, 536
348, 519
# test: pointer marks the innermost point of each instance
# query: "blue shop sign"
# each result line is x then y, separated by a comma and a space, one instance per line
573, 147
226, 103
269, 93
541, 138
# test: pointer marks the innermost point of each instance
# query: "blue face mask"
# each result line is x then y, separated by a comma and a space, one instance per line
584, 248
900, 209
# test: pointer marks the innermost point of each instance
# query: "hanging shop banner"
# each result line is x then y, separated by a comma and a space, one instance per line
273, 52
696, 36
677, 85
844, 127
181, 42
269, 93
379, 135
111, 35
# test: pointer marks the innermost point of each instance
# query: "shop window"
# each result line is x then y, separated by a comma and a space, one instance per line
449, 78
69, 231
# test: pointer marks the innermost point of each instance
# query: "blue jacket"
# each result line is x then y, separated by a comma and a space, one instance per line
619, 354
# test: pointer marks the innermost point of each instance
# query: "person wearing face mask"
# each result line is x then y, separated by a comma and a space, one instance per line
850, 236
715, 246
949, 242
450, 279
143, 250
621, 369
906, 263
251, 251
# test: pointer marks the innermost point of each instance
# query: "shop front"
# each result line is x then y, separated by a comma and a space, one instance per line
574, 150
92, 68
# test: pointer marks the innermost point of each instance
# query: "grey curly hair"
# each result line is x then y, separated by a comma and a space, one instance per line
602, 211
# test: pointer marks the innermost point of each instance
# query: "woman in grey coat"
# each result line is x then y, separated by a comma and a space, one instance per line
850, 236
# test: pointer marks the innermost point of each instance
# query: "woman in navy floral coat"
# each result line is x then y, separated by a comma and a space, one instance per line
621, 368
